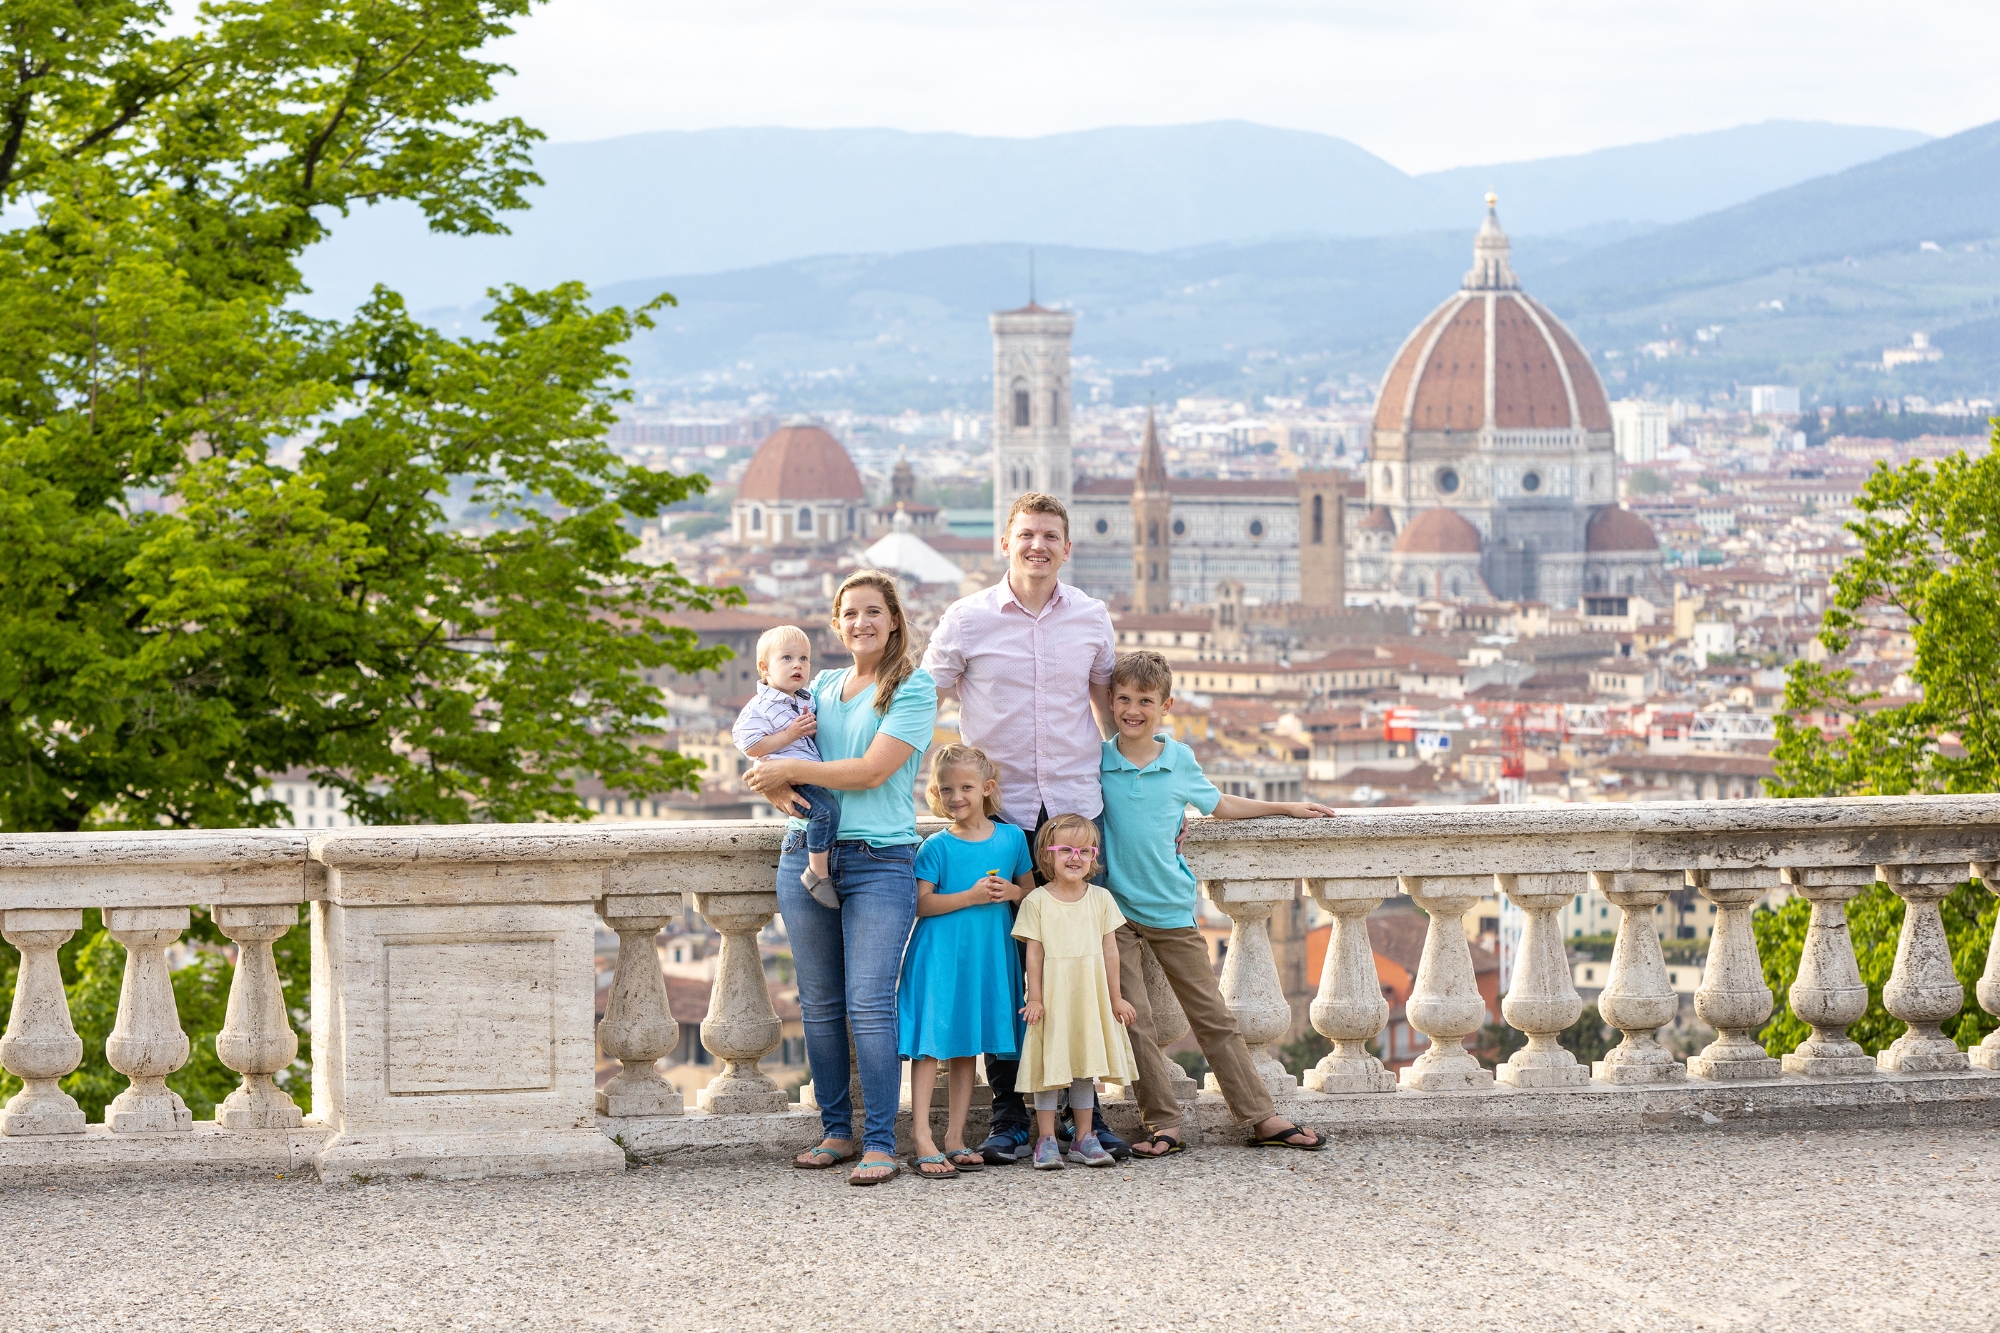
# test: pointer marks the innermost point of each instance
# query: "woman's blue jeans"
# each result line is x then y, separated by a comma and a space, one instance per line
848, 963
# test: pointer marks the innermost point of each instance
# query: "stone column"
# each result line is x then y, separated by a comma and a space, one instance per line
1445, 1004
638, 1028
256, 1040
1349, 1010
146, 1043
740, 1028
1986, 1055
1923, 989
1828, 994
1542, 999
41, 1045
1170, 1024
1251, 986
1733, 998
1637, 999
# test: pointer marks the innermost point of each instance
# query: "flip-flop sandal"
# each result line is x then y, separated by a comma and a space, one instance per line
1282, 1139
854, 1176
833, 1159
1174, 1145
935, 1159
966, 1159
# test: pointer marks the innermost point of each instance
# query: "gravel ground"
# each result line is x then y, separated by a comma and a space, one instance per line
1873, 1229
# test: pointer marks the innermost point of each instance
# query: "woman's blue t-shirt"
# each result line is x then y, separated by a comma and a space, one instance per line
884, 816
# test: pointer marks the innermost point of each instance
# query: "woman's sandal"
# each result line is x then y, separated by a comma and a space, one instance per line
950, 1171
1174, 1145
854, 1177
966, 1159
1282, 1139
833, 1159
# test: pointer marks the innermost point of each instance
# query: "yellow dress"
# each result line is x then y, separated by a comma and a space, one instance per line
1078, 1036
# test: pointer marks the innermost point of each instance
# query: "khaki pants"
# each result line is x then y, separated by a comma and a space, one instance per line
1183, 956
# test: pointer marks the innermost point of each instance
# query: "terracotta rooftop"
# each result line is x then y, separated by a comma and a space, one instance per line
800, 463
1438, 531
1616, 529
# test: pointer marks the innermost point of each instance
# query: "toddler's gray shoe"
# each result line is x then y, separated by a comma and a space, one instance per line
821, 888
1048, 1155
1087, 1150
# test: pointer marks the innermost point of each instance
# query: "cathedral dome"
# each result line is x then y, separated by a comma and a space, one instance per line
1615, 529
1538, 377
800, 462
1379, 520
1438, 532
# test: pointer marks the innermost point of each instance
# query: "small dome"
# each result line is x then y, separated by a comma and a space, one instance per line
1379, 520
800, 463
1616, 529
1438, 532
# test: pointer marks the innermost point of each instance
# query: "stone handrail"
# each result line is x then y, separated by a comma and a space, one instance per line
453, 983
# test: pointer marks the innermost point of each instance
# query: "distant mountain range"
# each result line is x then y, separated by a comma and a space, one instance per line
710, 201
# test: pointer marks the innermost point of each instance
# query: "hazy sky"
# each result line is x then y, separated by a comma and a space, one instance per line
1423, 83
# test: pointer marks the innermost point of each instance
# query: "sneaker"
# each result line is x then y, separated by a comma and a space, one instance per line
1065, 1126
821, 888
1111, 1143
1086, 1150
1049, 1155
1006, 1145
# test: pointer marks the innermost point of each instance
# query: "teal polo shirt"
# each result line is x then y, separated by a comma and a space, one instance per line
1143, 809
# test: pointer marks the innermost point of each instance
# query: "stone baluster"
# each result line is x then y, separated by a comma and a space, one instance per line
1828, 994
1349, 1010
1637, 999
1923, 989
1541, 1000
740, 1028
146, 1043
638, 1028
1170, 1024
1251, 986
256, 1040
41, 1045
1986, 1055
1733, 998
1445, 1004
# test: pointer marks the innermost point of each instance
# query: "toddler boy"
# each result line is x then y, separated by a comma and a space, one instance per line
1149, 781
780, 720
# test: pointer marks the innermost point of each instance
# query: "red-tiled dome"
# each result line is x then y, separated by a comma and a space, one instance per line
1540, 380
1614, 529
800, 463
1438, 532
1379, 520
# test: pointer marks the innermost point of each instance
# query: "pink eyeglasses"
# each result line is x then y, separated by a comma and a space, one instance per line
1087, 853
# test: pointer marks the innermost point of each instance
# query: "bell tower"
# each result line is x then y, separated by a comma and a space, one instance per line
1031, 401
1152, 530
1322, 539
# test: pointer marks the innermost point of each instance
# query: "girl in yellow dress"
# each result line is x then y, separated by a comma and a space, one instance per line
1074, 1013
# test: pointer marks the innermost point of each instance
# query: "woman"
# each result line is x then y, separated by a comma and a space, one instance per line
875, 720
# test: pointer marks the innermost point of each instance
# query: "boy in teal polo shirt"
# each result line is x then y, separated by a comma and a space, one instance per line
1149, 781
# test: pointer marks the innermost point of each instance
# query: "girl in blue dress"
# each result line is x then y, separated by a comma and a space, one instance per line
960, 996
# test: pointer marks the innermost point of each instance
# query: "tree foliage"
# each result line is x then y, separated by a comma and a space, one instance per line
237, 541
1929, 558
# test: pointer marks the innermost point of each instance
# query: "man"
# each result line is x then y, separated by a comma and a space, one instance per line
1029, 660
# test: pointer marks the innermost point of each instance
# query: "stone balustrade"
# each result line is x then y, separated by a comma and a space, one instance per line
453, 985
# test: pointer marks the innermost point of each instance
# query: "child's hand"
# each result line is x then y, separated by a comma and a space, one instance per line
994, 887
806, 725
1031, 1012
1123, 1011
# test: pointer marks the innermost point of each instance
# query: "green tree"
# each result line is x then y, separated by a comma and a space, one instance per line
228, 546
1930, 563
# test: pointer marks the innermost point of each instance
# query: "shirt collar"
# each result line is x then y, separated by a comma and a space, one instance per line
1116, 762
1005, 589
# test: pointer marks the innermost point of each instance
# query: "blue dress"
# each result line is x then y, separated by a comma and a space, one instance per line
961, 988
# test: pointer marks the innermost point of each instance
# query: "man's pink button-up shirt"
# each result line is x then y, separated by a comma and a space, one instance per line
1024, 684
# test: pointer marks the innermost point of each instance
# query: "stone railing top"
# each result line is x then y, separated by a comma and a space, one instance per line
1653, 835
465, 862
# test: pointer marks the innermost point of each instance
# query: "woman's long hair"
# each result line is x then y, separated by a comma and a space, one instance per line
896, 664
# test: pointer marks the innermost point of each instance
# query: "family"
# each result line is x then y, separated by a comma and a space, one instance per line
1060, 841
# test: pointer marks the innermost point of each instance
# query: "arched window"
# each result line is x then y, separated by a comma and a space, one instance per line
805, 519
1153, 572
1027, 479
1319, 520
756, 520
1021, 409
1152, 534
1055, 407
1423, 586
